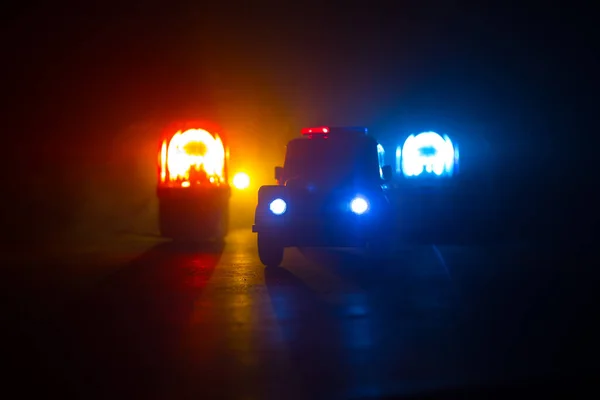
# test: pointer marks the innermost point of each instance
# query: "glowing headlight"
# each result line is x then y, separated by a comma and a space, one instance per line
278, 206
359, 205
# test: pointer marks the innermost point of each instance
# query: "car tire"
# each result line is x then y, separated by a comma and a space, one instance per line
270, 250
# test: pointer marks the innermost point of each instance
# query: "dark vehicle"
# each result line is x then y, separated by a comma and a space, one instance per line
193, 188
329, 194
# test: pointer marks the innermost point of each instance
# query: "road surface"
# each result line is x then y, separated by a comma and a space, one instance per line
143, 317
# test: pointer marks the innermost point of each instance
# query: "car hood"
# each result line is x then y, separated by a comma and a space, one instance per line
323, 188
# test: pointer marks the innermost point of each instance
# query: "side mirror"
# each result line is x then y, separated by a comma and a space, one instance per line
278, 173
386, 172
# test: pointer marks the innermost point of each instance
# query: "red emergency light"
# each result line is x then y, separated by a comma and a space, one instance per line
313, 131
328, 130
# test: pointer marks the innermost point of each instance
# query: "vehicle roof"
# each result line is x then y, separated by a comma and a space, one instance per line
338, 138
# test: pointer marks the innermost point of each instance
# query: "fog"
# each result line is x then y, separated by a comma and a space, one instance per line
90, 93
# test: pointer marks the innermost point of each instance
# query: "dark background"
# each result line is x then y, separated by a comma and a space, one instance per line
88, 88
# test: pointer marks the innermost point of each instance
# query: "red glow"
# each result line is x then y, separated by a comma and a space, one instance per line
184, 125
163, 162
176, 162
317, 130
329, 130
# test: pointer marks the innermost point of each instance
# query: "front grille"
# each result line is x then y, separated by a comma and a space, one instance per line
318, 205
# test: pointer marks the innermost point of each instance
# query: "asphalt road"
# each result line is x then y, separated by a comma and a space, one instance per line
144, 317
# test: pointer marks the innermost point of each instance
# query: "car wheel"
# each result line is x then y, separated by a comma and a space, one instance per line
270, 250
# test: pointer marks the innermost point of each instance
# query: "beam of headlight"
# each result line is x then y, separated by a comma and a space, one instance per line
241, 180
195, 149
428, 152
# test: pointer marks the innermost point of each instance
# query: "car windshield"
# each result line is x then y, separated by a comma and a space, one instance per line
332, 160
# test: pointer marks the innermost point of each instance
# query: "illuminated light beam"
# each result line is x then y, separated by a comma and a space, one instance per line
428, 153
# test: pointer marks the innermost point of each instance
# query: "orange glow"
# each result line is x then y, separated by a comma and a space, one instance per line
195, 150
163, 162
185, 184
241, 180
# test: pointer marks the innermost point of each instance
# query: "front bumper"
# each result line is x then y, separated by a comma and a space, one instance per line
330, 232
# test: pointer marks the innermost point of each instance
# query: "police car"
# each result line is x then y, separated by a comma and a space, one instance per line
330, 192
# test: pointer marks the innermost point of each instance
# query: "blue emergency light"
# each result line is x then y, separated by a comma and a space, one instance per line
428, 154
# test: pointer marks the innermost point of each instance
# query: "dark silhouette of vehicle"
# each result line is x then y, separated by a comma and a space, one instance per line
329, 193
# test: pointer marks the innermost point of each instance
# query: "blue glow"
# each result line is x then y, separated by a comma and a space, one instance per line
381, 157
398, 159
428, 153
456, 158
278, 206
359, 206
